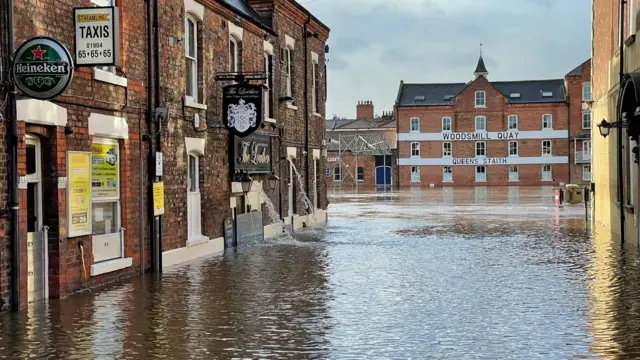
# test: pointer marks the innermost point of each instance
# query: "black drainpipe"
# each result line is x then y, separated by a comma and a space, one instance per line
569, 136
157, 219
306, 105
13, 170
619, 129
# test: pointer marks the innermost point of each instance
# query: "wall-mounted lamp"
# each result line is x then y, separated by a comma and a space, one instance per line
245, 181
273, 181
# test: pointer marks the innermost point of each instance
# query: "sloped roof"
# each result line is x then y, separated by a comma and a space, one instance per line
578, 70
330, 124
245, 10
481, 69
390, 125
530, 92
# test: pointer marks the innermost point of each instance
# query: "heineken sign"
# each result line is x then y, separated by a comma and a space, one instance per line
42, 68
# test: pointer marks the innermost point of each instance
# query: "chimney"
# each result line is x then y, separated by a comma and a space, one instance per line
364, 110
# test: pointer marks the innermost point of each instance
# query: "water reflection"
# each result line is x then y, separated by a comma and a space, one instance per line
425, 273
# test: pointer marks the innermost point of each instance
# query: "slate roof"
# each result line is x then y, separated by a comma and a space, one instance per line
578, 70
330, 124
244, 9
530, 92
352, 124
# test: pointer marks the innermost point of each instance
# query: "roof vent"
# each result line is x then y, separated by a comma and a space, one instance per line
514, 95
547, 94
448, 97
420, 98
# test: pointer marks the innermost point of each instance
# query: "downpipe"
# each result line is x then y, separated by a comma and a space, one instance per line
156, 40
149, 137
306, 105
619, 130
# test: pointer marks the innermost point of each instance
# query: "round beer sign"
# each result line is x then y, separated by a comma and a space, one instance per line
42, 68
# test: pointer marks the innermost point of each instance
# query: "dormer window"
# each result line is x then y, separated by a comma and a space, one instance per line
547, 94
448, 97
481, 99
420, 98
514, 95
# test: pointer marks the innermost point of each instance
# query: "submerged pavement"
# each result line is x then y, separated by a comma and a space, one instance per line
486, 273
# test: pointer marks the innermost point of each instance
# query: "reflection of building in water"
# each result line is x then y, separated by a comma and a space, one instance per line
514, 195
109, 320
481, 194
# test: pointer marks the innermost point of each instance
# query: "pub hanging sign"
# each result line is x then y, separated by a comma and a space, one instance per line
242, 108
252, 154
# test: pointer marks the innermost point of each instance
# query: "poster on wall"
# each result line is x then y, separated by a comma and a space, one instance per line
158, 198
104, 171
78, 193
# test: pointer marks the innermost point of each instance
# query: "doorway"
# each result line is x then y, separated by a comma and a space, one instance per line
37, 255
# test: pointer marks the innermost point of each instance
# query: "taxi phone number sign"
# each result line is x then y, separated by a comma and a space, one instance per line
97, 36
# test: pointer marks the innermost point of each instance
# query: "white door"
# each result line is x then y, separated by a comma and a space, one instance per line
194, 222
315, 183
290, 207
37, 256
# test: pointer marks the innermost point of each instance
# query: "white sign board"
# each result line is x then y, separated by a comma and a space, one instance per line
97, 36
158, 164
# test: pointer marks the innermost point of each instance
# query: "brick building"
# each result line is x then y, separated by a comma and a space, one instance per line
494, 133
363, 148
104, 113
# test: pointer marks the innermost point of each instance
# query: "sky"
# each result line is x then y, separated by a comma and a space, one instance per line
376, 43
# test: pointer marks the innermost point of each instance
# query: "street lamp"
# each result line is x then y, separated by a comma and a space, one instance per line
605, 127
273, 181
245, 181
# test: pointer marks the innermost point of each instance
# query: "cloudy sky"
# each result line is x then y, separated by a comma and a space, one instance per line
376, 43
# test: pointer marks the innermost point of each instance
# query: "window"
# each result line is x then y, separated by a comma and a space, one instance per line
546, 173
337, 174
446, 149
415, 124
513, 148
415, 174
546, 147
314, 88
415, 149
481, 148
586, 149
268, 99
328, 172
481, 123
105, 186
586, 173
191, 55
586, 91
513, 173
632, 17
111, 69
512, 122
481, 99
360, 174
288, 70
586, 120
514, 95
547, 94
481, 174
446, 123
447, 174
547, 121
233, 54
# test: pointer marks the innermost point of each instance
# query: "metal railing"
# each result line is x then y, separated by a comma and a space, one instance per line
582, 158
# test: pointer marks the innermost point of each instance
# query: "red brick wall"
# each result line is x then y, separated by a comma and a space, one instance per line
574, 89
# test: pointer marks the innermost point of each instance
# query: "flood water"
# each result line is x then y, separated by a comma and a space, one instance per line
487, 273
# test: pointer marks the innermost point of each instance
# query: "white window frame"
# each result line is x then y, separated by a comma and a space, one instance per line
632, 17
415, 120
513, 153
509, 122
337, 174
550, 118
480, 99
550, 173
314, 89
484, 123
416, 150
584, 172
233, 54
586, 92
358, 173
194, 59
586, 144
482, 178
446, 120
267, 90
447, 152
586, 113
550, 148
288, 68
481, 145
197, 173
415, 174
513, 176
448, 169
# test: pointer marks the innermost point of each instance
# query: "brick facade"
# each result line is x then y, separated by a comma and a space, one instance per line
88, 97
501, 101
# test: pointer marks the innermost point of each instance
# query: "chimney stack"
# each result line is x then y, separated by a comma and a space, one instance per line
364, 110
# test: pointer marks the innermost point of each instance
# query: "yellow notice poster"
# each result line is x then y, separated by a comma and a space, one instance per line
104, 171
158, 198
78, 193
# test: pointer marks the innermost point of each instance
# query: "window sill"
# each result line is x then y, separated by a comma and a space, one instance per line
447, 181
415, 131
629, 208
270, 120
415, 182
317, 114
108, 77
481, 181
547, 129
543, 180
514, 156
415, 157
110, 266
630, 40
514, 181
197, 241
292, 107
189, 102
480, 106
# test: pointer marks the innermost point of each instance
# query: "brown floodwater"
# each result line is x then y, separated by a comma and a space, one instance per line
486, 273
